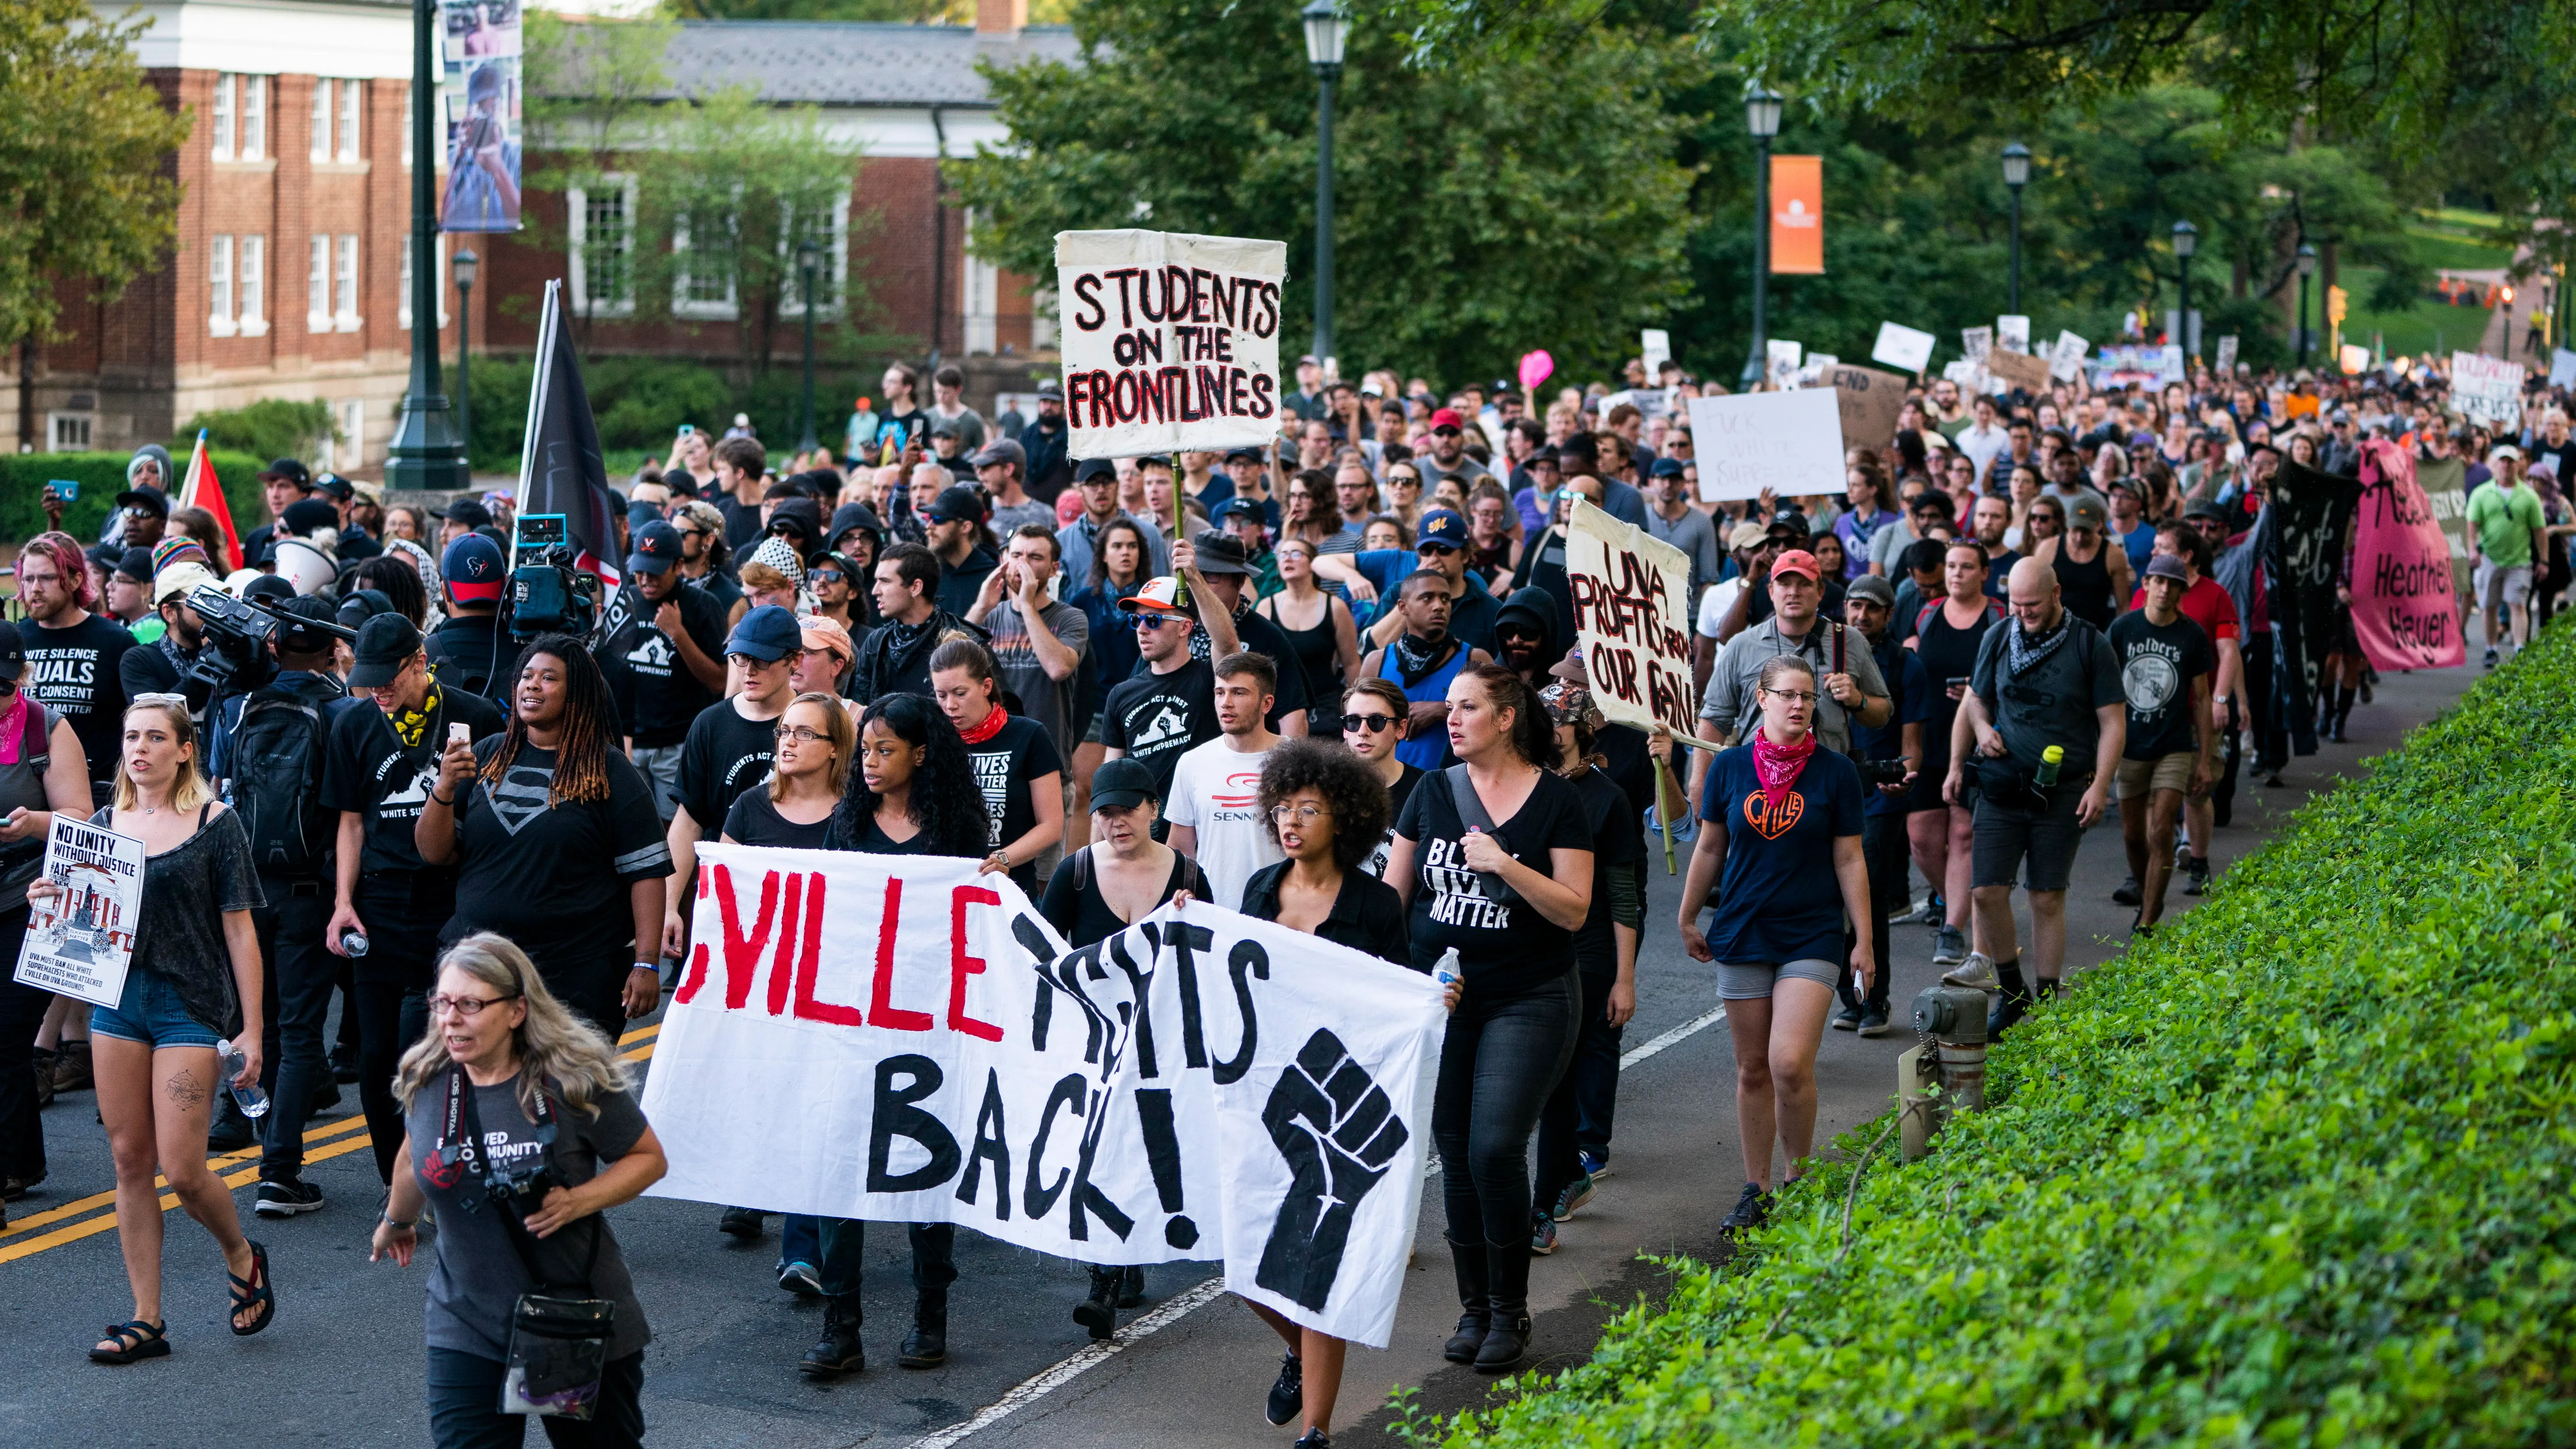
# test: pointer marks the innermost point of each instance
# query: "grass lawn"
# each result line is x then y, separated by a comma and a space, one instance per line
2450, 239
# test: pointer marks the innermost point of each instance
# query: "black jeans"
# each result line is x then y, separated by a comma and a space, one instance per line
299, 978
1501, 1059
402, 915
22, 1012
593, 988
465, 1399
1577, 1116
934, 1255
1884, 849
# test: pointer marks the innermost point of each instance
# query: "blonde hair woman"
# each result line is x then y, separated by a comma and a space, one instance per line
520, 1126
194, 975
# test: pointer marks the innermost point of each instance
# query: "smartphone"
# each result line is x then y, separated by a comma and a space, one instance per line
458, 734
686, 429
67, 489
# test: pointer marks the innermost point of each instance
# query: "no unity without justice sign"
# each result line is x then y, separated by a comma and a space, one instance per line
1170, 340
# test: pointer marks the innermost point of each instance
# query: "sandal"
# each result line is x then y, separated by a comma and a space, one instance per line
135, 1340
245, 1295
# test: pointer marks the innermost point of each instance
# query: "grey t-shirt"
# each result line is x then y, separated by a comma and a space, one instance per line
1010, 518
1693, 534
2052, 703
970, 429
1047, 701
480, 1273
1731, 702
179, 932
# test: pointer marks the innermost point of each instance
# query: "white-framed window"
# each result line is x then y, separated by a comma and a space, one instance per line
251, 269
353, 97
317, 285
402, 309
322, 119
983, 296
603, 247
704, 286
69, 432
1041, 322
222, 128
831, 277
345, 316
254, 117
219, 287
353, 430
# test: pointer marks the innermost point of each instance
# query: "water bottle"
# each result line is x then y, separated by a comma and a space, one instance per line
1447, 970
2049, 760
229, 1061
354, 942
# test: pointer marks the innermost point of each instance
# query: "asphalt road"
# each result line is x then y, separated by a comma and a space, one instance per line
342, 1364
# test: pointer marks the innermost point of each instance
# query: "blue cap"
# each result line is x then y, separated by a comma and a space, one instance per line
769, 633
473, 569
654, 549
1442, 526
1667, 467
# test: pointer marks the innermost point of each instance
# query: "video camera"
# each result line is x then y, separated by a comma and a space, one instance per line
547, 594
236, 656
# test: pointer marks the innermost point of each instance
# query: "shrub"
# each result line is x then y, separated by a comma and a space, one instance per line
268, 429
101, 476
2298, 1171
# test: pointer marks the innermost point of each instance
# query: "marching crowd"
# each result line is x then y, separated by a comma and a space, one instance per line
948, 636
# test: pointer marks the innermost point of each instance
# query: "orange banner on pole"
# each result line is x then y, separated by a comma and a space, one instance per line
1798, 215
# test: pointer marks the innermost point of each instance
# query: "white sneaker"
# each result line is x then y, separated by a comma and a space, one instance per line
1977, 973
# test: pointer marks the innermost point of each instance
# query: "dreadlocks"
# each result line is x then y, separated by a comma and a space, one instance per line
581, 750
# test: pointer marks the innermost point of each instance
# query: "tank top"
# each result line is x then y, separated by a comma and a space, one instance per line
1320, 655
1431, 752
1948, 654
2086, 587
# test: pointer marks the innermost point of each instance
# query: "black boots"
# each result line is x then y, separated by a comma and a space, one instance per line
1099, 1312
837, 1351
1507, 1325
1475, 1297
2013, 1004
927, 1345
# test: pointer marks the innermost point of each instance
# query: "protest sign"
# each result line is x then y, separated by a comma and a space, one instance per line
80, 943
2012, 333
2169, 361
2488, 389
1654, 349
1632, 614
1870, 401
2403, 608
2227, 354
1902, 347
479, 65
2444, 482
2018, 370
1977, 342
2353, 358
2066, 359
1171, 341
903, 1039
1783, 359
1788, 442
2310, 510
2562, 367
2118, 366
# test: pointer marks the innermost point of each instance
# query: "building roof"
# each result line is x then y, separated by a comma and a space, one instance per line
855, 63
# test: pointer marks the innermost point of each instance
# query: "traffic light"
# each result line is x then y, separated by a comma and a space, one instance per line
2337, 301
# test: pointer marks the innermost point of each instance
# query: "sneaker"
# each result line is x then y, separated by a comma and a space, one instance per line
1594, 1165
1847, 1018
1873, 1022
801, 1280
1313, 1439
1949, 946
740, 1223
1576, 1194
2491, 659
1934, 908
1977, 973
2199, 883
286, 1199
14, 1188
1752, 1207
2128, 894
1287, 1392
1542, 1235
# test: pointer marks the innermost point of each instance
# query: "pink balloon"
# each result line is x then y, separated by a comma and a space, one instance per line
1536, 367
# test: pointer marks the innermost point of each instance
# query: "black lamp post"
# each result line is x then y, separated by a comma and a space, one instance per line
1326, 29
467, 266
2307, 269
1762, 120
428, 453
2016, 176
2186, 240
809, 262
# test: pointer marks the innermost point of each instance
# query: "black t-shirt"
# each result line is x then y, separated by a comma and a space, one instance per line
1294, 694
74, 672
722, 586
1407, 776
554, 879
1618, 840
2157, 667
874, 841
370, 772
1155, 718
1081, 914
1503, 946
742, 520
961, 582
723, 756
754, 820
656, 694
1018, 754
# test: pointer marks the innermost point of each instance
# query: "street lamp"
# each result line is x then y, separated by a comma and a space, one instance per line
2016, 176
809, 262
467, 266
1762, 120
1326, 28
427, 453
2307, 269
2186, 240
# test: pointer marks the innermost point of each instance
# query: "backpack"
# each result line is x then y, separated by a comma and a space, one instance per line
276, 759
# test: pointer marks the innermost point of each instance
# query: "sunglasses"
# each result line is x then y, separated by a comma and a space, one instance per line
1145, 620
1441, 549
1376, 724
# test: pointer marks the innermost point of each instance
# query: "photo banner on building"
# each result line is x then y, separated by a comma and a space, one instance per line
905, 1039
1632, 616
481, 105
1171, 341
2404, 609
1798, 216
81, 944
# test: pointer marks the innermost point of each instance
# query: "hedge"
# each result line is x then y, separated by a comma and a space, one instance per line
2298, 1171
101, 476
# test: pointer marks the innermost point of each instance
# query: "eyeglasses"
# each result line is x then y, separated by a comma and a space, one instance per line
799, 733
1794, 696
1302, 814
1375, 724
466, 1008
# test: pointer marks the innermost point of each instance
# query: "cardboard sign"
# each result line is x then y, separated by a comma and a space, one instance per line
1797, 216
2227, 354
1788, 442
2018, 370
2444, 484
1632, 614
1870, 401
1654, 349
81, 944
2487, 389
2066, 359
1171, 341
1902, 347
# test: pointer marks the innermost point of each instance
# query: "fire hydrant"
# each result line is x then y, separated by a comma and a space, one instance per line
1946, 1070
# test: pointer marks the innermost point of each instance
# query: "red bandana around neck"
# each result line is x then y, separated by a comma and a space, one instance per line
1779, 765
991, 726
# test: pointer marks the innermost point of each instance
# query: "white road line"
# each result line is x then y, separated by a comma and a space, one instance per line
1675, 1037
1075, 1367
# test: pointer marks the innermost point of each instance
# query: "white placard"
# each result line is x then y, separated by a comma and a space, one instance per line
1654, 349
1170, 340
1789, 442
1783, 359
2562, 367
2066, 359
2227, 355
1977, 342
2012, 334
1903, 348
1631, 595
81, 943
2487, 389
2169, 359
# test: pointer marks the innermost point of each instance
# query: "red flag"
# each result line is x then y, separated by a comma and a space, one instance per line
204, 490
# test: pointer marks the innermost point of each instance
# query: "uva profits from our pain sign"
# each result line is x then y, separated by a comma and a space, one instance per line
1170, 340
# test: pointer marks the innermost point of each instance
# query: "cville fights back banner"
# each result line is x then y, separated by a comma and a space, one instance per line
1170, 340
901, 1039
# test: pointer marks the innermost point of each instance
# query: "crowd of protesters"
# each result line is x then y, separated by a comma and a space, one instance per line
950, 636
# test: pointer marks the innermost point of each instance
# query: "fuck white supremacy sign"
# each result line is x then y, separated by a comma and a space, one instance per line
1170, 340
902, 1039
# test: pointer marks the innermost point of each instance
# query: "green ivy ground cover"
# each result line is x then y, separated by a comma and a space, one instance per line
2299, 1172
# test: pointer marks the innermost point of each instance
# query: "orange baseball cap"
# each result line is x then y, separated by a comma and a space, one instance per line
1798, 561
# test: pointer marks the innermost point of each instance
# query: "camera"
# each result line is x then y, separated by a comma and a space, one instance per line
1882, 772
548, 595
522, 1187
236, 634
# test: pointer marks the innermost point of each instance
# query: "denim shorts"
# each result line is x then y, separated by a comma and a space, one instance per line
1752, 980
149, 1011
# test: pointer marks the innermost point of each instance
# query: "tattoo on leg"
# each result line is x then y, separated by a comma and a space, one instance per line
185, 1090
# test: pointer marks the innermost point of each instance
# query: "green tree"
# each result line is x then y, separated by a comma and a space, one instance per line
85, 148
596, 97
1503, 203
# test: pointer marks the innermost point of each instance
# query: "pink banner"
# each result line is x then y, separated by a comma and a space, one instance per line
2403, 608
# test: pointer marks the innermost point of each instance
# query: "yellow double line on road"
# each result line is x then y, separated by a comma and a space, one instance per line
237, 1169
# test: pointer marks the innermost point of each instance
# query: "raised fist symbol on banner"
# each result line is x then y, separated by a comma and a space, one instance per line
1339, 1131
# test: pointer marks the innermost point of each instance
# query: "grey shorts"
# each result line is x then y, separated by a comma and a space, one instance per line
2004, 837
1753, 980
660, 765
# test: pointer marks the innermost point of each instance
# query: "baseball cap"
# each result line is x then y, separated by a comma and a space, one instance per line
654, 549
149, 500
301, 518
1307, 359
2167, 566
1799, 561
472, 568
1442, 526
178, 579
1121, 785
2085, 512
1252, 453
1219, 553
1001, 450
1868, 586
768, 634
335, 485
265, 586
1789, 518
1747, 535
1238, 507
943, 428
2206, 509
959, 504
1447, 418
1159, 596
468, 511
136, 564
2504, 450
819, 632
13, 653
357, 606
287, 470
1667, 468
1090, 468
1051, 389
304, 624
384, 643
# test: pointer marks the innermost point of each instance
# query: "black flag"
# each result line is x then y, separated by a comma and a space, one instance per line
560, 468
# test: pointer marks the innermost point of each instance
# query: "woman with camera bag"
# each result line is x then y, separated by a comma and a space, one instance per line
519, 1127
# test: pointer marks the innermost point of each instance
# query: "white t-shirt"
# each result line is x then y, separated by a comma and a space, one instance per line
1714, 604
1216, 791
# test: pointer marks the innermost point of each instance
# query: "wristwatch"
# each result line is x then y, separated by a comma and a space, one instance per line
395, 1223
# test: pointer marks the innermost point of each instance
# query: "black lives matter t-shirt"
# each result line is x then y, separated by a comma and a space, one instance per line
370, 772
1018, 754
656, 694
1503, 945
1156, 718
2157, 666
74, 673
554, 879
724, 755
